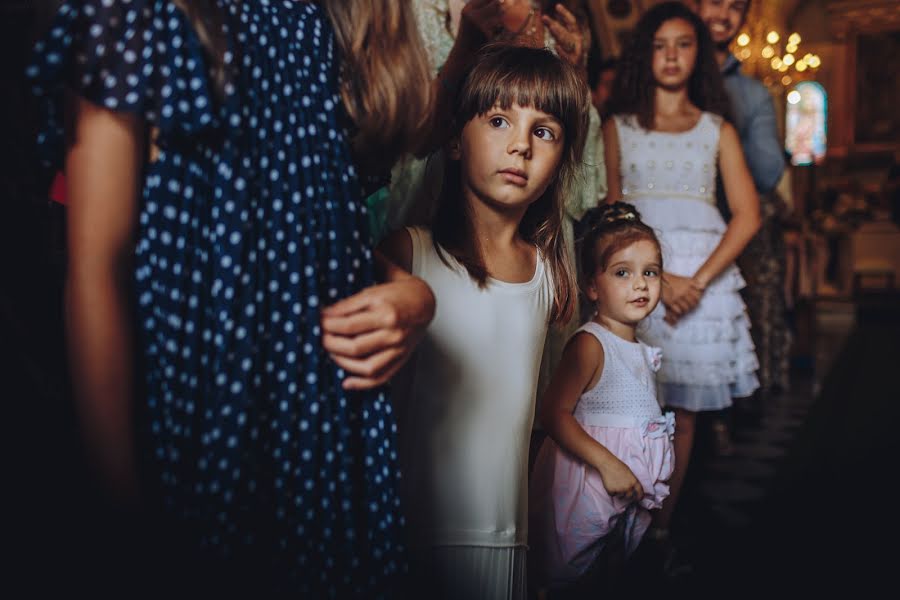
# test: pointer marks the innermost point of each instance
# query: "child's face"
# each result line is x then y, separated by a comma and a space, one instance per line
509, 157
628, 289
674, 53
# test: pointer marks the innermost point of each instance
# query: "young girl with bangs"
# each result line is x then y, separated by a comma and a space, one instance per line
496, 261
667, 140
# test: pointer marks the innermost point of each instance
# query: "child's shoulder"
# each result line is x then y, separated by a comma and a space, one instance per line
417, 232
403, 246
586, 347
714, 119
413, 248
591, 335
621, 120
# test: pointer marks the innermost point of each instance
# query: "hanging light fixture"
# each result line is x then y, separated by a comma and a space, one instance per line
773, 56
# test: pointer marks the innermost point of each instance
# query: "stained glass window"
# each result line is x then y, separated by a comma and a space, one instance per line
807, 111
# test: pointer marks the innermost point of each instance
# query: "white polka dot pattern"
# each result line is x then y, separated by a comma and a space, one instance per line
250, 221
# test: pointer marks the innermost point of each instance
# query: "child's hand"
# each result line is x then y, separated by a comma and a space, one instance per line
620, 481
372, 333
680, 295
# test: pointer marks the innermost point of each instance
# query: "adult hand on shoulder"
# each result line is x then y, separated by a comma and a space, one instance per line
620, 481
567, 33
680, 295
372, 333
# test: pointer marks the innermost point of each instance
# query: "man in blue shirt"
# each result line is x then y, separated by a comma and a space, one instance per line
762, 262
751, 102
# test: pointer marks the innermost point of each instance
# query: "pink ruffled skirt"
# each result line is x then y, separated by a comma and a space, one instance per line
571, 513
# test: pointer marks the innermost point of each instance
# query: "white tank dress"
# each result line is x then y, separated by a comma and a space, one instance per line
671, 179
466, 402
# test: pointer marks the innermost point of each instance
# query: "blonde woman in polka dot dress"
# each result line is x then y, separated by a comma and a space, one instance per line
214, 191
666, 142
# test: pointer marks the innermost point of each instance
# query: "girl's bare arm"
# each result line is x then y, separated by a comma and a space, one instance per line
580, 369
743, 202
103, 171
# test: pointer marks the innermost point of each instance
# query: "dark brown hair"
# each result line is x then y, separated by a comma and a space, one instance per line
634, 88
505, 75
386, 79
608, 229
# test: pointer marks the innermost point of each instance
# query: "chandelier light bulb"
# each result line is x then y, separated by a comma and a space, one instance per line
743, 39
794, 38
788, 59
791, 48
773, 37
793, 97
776, 63
801, 66
768, 52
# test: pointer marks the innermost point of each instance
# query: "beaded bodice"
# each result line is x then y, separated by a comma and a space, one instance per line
669, 165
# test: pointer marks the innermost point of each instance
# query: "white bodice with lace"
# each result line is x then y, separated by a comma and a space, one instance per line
627, 386
669, 165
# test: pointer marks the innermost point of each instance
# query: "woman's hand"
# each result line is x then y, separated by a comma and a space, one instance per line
680, 295
620, 481
484, 17
566, 32
372, 333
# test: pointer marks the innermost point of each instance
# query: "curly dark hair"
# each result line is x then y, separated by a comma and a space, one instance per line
605, 230
634, 89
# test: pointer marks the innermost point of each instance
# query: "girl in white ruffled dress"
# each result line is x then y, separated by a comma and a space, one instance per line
668, 138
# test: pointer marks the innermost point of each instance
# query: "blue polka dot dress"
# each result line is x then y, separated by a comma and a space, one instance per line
251, 220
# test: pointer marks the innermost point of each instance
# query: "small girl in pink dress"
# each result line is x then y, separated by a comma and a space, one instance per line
609, 451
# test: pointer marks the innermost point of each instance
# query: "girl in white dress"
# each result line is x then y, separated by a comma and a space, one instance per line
665, 143
609, 453
497, 263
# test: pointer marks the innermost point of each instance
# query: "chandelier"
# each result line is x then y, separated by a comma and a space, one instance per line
773, 59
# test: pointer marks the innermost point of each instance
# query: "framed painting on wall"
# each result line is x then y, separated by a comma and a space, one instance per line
805, 124
877, 90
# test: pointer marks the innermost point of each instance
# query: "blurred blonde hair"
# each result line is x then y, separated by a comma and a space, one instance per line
386, 79
386, 76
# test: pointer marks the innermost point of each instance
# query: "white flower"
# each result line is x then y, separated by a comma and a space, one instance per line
654, 357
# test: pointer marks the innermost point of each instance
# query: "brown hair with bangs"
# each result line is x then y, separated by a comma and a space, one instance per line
504, 75
608, 229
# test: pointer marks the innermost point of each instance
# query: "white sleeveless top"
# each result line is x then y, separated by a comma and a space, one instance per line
627, 386
467, 401
669, 165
